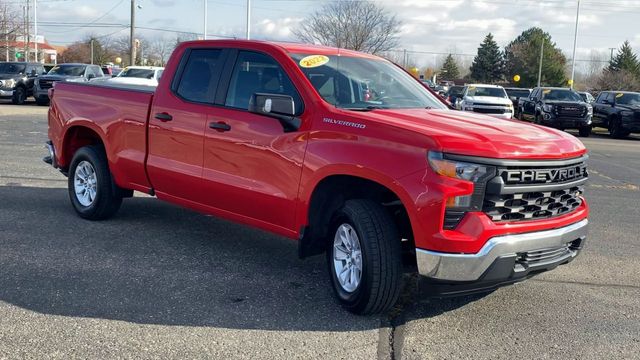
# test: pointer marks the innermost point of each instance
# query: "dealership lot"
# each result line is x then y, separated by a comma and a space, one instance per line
158, 281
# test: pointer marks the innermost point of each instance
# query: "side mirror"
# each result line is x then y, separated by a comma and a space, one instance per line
281, 107
91, 76
606, 102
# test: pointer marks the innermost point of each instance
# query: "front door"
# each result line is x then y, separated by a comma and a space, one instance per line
252, 167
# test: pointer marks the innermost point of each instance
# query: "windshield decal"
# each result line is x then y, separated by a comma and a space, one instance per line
312, 61
620, 95
344, 123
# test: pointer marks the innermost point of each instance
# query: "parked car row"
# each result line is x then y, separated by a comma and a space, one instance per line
560, 108
21, 80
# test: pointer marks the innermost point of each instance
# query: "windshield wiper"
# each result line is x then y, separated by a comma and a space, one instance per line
367, 108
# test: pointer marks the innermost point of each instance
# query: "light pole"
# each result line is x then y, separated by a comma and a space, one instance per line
204, 33
248, 19
35, 26
132, 45
540, 64
575, 43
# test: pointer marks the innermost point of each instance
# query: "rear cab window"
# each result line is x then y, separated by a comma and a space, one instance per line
197, 80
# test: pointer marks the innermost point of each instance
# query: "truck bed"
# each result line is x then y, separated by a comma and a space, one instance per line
117, 114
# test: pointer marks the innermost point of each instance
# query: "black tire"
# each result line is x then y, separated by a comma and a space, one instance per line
42, 102
107, 198
584, 131
19, 96
616, 131
381, 276
537, 119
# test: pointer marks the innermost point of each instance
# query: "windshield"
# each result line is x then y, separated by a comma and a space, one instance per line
517, 93
356, 83
560, 95
12, 68
628, 99
486, 91
456, 90
68, 70
137, 73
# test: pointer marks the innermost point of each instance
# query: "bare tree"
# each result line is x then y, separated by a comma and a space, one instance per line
11, 26
356, 25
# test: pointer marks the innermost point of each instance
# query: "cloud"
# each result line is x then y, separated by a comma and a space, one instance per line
163, 3
277, 29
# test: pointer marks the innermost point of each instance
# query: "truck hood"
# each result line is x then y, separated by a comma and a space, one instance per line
11, 76
488, 100
471, 134
61, 78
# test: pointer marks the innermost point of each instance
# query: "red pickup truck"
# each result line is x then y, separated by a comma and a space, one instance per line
342, 151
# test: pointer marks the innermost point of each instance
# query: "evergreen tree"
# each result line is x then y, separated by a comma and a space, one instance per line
449, 69
488, 65
522, 57
625, 60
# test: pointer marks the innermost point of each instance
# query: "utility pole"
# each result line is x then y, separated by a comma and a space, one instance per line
132, 46
91, 51
611, 57
35, 26
204, 33
5, 24
541, 57
575, 44
248, 19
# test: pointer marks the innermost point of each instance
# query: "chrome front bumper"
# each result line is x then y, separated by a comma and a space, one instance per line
471, 267
6, 93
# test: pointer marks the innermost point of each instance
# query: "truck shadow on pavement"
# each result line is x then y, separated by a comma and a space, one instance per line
155, 263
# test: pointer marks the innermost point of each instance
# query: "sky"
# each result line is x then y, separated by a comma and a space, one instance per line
429, 27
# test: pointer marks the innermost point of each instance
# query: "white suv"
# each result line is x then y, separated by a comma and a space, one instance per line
486, 99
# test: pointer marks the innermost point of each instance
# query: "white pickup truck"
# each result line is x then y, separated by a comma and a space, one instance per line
486, 99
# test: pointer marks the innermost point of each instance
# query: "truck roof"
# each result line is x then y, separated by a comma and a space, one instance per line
290, 47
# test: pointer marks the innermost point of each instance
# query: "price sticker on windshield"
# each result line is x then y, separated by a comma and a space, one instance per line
546, 91
619, 95
312, 61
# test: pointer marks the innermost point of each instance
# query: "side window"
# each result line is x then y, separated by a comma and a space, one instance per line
610, 97
29, 70
602, 97
41, 70
98, 71
200, 76
258, 73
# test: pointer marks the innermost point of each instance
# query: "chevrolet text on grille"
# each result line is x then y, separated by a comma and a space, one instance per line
546, 175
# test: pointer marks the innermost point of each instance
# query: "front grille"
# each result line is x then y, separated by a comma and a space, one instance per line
541, 190
45, 84
489, 111
532, 205
570, 111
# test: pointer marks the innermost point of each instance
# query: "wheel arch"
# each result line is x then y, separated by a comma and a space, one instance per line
76, 136
331, 191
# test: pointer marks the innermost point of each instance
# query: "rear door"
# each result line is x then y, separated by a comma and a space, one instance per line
529, 105
252, 167
177, 123
599, 109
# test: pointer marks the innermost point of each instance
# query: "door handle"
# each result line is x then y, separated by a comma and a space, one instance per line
220, 126
163, 116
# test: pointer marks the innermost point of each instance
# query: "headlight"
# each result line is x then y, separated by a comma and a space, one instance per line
456, 169
457, 206
547, 108
9, 83
589, 109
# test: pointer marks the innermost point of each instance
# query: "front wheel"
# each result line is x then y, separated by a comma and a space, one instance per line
364, 258
19, 96
584, 131
93, 194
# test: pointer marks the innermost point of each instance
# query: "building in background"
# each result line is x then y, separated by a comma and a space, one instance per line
17, 50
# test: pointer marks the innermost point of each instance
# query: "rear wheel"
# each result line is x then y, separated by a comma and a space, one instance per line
616, 131
364, 258
19, 95
93, 194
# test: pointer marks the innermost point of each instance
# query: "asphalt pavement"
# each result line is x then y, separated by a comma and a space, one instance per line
159, 281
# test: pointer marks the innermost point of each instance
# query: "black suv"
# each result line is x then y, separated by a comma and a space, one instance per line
16, 80
618, 111
560, 108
